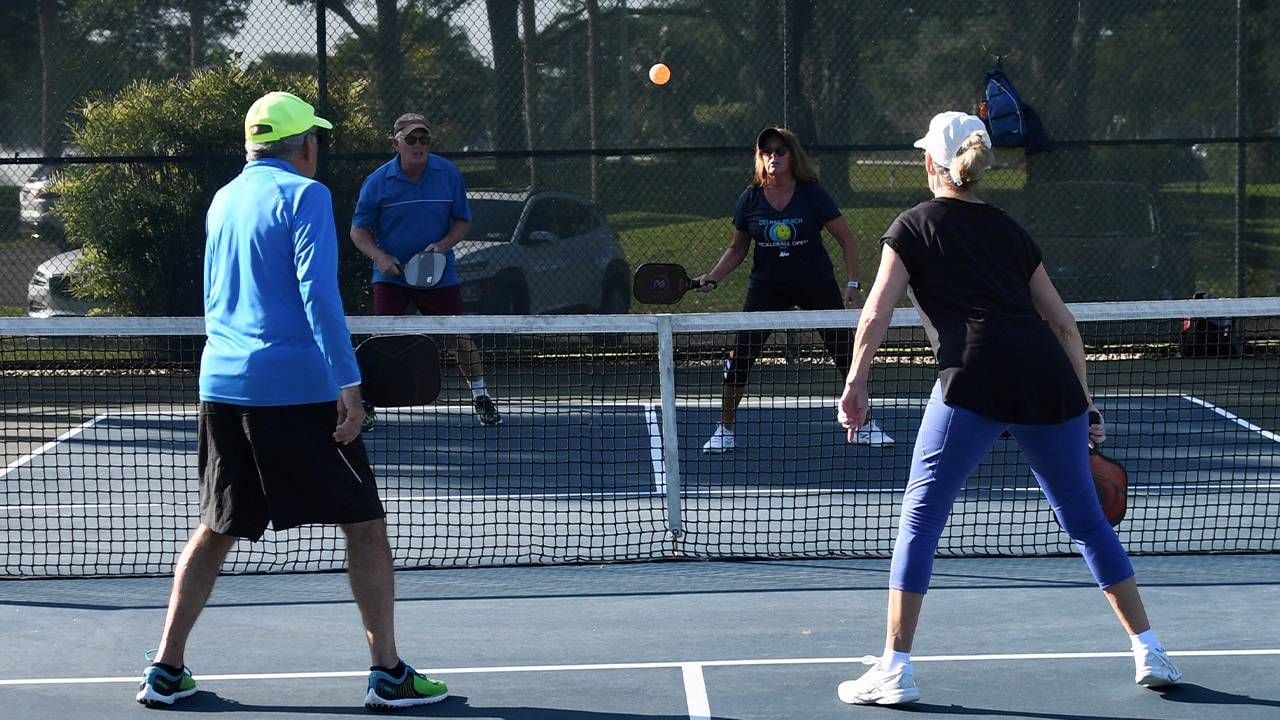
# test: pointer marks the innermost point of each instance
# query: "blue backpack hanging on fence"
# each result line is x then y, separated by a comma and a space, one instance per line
1011, 122
1003, 111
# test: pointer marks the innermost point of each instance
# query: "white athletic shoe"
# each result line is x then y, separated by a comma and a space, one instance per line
721, 441
1154, 668
880, 687
871, 434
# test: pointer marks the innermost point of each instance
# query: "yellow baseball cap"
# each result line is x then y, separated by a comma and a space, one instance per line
279, 115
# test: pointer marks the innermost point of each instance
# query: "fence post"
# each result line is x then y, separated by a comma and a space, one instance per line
670, 438
1241, 152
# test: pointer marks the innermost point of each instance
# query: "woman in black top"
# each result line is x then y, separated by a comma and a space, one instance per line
783, 212
1009, 359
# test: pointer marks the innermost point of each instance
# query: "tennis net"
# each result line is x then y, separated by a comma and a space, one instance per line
599, 457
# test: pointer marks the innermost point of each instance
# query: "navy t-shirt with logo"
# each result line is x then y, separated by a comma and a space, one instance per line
788, 242
970, 266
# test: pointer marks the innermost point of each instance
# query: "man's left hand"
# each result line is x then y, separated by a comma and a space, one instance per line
350, 415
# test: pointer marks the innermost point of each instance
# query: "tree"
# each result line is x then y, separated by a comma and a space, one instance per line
20, 80
438, 72
508, 81
206, 22
285, 63
529, 27
175, 36
98, 46
142, 224
51, 108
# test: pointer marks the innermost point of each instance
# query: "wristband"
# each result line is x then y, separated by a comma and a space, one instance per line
853, 285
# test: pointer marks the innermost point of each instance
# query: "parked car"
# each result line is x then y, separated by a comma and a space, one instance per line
49, 293
35, 203
539, 253
526, 253
1105, 241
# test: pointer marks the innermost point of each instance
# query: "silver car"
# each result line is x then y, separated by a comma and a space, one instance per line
533, 253
49, 294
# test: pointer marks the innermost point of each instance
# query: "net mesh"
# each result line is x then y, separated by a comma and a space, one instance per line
600, 454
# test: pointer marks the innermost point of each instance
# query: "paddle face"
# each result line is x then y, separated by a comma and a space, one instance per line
425, 269
399, 370
661, 283
1112, 483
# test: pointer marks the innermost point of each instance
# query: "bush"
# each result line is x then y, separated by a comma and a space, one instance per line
142, 223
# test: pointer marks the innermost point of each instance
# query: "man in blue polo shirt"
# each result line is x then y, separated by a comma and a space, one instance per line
280, 411
417, 202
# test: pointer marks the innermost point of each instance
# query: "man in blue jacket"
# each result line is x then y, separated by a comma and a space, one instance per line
280, 406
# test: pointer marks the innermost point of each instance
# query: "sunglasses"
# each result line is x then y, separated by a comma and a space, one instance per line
776, 150
416, 139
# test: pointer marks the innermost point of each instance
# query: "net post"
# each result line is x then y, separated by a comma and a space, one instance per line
670, 439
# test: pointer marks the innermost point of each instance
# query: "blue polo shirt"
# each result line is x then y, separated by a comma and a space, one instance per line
273, 315
406, 216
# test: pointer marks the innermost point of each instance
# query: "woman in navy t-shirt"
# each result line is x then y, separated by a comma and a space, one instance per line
783, 212
1009, 359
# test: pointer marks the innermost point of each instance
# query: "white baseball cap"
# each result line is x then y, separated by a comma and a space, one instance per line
947, 134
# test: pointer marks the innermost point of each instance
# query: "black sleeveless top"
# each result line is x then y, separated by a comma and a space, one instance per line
970, 265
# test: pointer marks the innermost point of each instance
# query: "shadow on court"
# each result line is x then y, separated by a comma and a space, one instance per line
455, 706
1186, 693
1193, 694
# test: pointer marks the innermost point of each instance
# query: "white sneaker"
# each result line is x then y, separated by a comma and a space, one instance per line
880, 687
1154, 668
871, 434
721, 441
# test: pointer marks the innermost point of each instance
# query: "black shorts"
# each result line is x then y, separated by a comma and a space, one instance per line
761, 298
280, 465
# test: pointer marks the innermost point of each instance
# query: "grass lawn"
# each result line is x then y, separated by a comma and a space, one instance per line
1204, 215
697, 243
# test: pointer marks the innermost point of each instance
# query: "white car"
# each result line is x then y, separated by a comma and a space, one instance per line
526, 253
49, 293
35, 202
545, 252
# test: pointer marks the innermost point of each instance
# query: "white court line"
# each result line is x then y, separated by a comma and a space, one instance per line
695, 692
51, 444
1233, 418
655, 448
763, 662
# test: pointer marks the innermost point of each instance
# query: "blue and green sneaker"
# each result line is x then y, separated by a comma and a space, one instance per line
388, 692
161, 687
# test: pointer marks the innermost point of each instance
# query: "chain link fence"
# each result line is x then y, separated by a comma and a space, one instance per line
1163, 180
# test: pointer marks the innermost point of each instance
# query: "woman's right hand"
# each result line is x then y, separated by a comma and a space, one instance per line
1097, 427
704, 284
854, 407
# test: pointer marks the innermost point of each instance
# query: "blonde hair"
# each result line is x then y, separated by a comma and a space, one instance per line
801, 165
973, 159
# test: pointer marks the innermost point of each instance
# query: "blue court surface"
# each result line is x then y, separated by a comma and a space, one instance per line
1000, 638
1169, 443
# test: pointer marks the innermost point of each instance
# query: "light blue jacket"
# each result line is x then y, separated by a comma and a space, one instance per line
274, 319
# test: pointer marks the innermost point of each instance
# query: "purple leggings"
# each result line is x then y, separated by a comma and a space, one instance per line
951, 443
